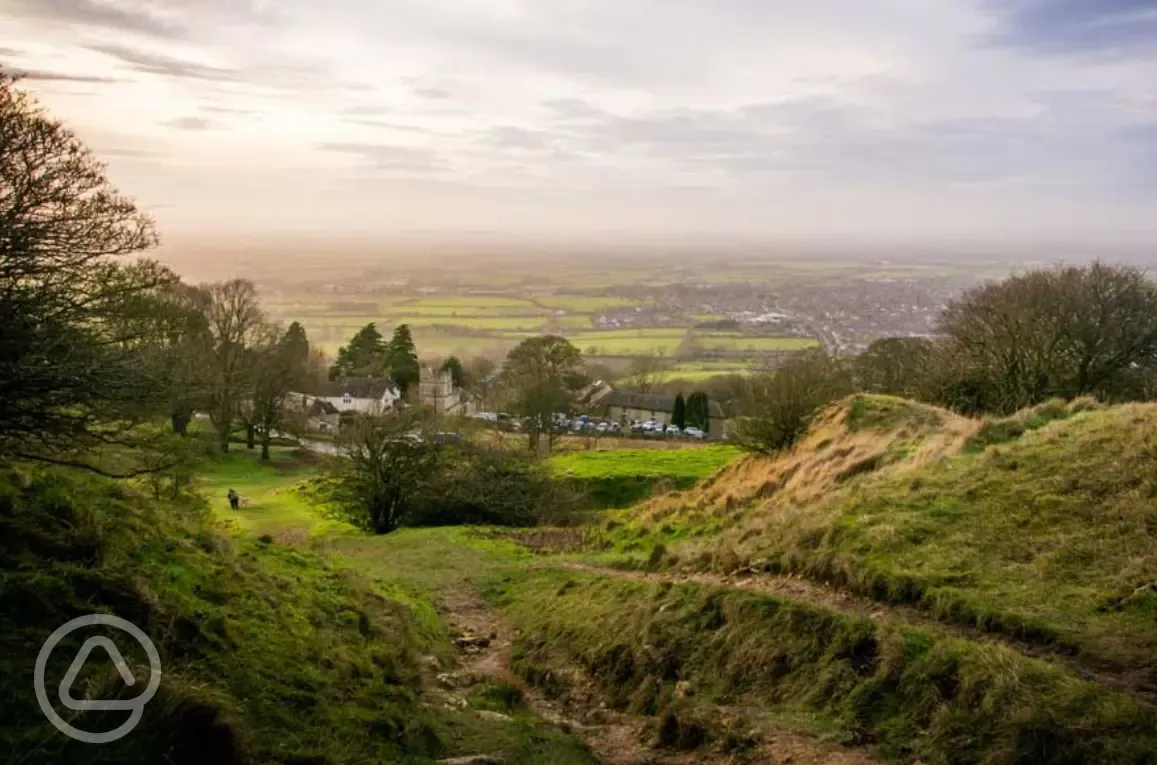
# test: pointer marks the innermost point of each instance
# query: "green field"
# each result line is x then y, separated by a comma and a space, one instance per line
622, 477
572, 321
629, 342
583, 303
469, 301
423, 309
674, 463
497, 323
736, 342
698, 371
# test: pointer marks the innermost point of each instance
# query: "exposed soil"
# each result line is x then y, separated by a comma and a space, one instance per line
614, 738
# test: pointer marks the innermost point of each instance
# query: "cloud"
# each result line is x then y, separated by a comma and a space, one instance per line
189, 123
127, 153
388, 157
40, 75
432, 93
832, 112
99, 13
12, 52
166, 66
1108, 27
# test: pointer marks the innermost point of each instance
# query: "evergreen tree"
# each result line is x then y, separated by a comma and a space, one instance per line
365, 355
403, 358
457, 371
679, 415
296, 345
697, 411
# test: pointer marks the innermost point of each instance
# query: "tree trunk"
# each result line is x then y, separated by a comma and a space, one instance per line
181, 423
265, 447
250, 437
223, 439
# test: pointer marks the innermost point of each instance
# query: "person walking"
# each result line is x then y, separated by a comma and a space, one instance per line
234, 499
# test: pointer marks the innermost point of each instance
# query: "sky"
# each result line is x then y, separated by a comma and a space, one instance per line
987, 120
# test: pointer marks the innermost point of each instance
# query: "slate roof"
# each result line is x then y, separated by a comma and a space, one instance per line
358, 387
652, 402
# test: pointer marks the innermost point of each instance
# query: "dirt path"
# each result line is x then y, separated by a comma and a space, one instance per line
484, 644
841, 601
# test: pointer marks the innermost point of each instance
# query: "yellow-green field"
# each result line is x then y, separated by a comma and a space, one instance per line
737, 342
472, 325
697, 371
583, 303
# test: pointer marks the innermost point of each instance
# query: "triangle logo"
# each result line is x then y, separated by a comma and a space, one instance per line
118, 661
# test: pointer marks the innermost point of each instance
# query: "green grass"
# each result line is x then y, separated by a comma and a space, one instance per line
426, 310
267, 653
498, 323
583, 303
628, 342
676, 463
1049, 534
274, 502
697, 371
572, 321
912, 694
736, 342
468, 301
619, 478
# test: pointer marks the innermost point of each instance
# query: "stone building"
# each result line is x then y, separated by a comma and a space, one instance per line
436, 389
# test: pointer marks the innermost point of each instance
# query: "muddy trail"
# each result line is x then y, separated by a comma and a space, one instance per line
483, 642
841, 601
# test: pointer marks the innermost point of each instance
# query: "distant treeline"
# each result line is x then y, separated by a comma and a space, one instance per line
1057, 333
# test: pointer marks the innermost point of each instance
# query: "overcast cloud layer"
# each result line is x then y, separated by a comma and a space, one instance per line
786, 118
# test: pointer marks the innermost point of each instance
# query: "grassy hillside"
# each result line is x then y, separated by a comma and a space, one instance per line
620, 477
267, 653
1040, 526
708, 665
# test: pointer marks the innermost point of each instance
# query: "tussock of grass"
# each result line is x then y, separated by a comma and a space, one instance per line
1005, 429
854, 439
267, 653
913, 694
1051, 537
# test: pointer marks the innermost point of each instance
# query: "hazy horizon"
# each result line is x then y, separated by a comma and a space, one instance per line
994, 125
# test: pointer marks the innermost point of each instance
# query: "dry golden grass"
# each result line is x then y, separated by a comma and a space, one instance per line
855, 438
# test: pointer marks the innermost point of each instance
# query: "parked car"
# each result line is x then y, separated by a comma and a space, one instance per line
693, 432
673, 430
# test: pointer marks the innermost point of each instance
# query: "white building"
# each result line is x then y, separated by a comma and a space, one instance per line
363, 395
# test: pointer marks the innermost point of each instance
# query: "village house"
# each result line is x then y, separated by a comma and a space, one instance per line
362, 395
623, 406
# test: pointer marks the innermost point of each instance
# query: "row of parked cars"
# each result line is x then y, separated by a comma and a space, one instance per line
584, 424
652, 428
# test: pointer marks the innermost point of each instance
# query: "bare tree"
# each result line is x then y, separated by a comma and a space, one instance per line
277, 365
238, 326
648, 372
897, 366
70, 371
779, 405
1061, 332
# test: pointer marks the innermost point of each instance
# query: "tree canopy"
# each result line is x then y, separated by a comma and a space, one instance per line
75, 315
544, 373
